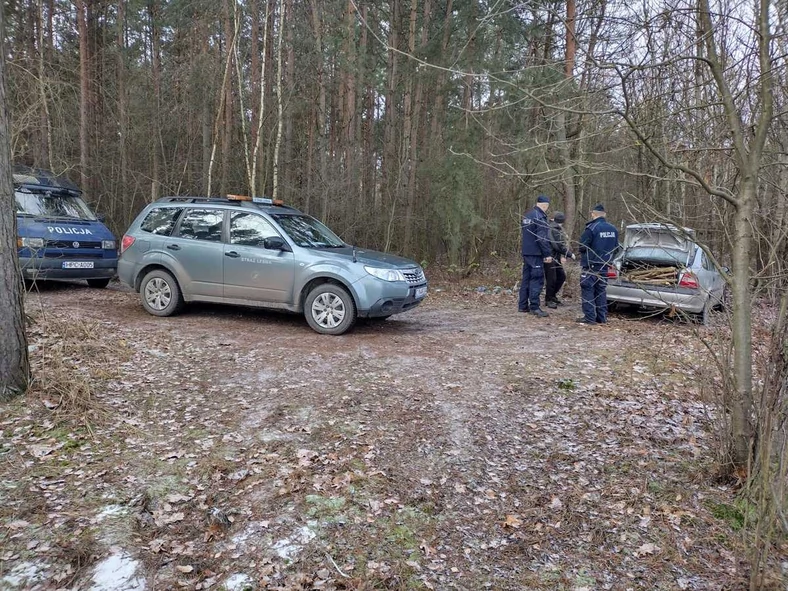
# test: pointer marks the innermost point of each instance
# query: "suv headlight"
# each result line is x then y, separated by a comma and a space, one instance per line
108, 245
385, 274
30, 242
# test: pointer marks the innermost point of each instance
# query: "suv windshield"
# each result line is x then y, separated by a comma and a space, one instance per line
307, 232
50, 204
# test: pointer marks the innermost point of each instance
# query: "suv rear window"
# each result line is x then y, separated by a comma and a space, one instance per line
202, 224
161, 220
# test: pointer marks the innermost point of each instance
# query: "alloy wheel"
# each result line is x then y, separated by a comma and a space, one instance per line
158, 294
328, 310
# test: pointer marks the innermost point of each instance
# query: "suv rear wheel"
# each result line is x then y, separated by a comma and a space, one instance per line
160, 293
329, 309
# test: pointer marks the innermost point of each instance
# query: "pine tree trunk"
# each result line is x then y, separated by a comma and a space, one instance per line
348, 136
254, 47
14, 368
46, 126
407, 130
269, 56
123, 127
390, 160
84, 90
369, 194
229, 42
571, 41
287, 148
440, 95
156, 132
415, 127
317, 28
279, 101
260, 113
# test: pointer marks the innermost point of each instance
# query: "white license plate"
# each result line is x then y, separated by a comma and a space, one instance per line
420, 292
77, 264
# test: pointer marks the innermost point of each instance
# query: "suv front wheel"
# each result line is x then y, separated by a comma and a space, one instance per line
160, 293
329, 309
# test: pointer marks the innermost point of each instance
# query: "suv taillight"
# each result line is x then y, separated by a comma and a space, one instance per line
611, 272
689, 280
126, 242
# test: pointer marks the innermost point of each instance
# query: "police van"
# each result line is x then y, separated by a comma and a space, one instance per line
59, 237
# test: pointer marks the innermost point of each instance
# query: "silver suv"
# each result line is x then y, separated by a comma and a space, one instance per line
256, 252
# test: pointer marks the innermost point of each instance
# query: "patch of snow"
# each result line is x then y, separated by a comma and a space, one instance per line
111, 511
24, 573
238, 582
252, 531
287, 548
117, 572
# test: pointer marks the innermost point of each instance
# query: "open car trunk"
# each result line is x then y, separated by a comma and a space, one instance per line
655, 254
648, 273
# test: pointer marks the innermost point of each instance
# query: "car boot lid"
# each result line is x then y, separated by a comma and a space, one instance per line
659, 235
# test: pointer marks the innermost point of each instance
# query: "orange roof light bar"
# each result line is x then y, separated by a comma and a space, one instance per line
261, 200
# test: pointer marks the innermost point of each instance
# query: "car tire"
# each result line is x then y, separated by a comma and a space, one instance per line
704, 316
98, 283
724, 299
160, 293
329, 309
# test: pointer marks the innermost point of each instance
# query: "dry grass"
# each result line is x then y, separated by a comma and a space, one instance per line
71, 359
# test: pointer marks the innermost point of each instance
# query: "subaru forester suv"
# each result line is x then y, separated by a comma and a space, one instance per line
257, 252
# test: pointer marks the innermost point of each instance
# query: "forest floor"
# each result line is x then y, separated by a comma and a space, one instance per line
459, 446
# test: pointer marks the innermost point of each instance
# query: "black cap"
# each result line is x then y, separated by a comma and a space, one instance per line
598, 207
559, 217
543, 199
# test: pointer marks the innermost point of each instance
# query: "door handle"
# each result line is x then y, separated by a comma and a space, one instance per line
173, 247
232, 254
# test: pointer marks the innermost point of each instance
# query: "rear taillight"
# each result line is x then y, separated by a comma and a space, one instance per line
689, 280
611, 272
126, 242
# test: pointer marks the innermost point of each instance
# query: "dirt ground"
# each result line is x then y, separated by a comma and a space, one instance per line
459, 446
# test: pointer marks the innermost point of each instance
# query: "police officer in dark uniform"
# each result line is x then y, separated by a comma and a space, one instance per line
598, 247
536, 252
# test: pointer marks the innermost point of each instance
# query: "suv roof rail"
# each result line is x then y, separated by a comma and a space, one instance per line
190, 199
224, 200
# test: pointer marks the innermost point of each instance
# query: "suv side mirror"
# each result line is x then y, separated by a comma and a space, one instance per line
101, 217
275, 243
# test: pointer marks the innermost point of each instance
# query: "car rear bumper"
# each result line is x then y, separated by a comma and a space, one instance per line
127, 271
677, 298
45, 268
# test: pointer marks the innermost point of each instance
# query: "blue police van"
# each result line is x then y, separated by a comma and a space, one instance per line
59, 237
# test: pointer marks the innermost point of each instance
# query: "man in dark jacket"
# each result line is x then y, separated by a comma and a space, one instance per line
555, 276
598, 247
536, 252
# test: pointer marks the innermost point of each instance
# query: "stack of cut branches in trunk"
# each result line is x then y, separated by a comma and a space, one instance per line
653, 275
